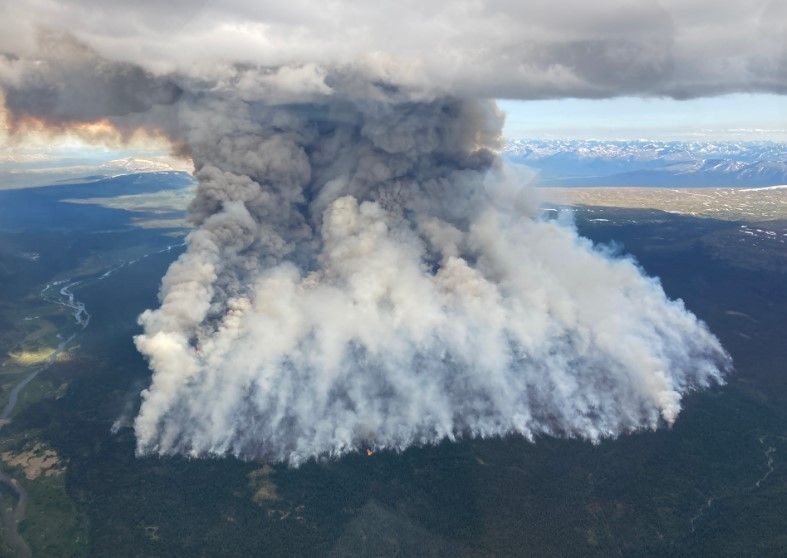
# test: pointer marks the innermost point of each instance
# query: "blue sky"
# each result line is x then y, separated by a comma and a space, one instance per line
727, 117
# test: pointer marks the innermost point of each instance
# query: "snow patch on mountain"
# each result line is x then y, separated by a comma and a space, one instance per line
135, 165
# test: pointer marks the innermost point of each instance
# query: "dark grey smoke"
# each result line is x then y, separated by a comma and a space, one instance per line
70, 83
365, 272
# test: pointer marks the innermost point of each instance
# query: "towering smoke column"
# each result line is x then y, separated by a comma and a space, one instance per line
364, 273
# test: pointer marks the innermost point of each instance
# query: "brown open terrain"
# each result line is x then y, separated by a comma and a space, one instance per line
729, 204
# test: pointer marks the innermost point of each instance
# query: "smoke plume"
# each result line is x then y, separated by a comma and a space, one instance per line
365, 272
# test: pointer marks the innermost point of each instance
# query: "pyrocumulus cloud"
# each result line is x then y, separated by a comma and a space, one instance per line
367, 274
364, 271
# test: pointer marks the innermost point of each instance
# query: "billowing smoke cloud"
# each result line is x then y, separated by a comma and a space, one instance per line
364, 272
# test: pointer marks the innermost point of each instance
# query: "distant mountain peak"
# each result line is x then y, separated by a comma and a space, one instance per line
133, 165
650, 162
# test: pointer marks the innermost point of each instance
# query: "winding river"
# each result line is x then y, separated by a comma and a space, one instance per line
60, 293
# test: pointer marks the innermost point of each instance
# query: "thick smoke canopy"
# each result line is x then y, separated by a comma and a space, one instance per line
491, 48
365, 274
364, 271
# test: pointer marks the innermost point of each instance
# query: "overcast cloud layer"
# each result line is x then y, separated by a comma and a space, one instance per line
492, 48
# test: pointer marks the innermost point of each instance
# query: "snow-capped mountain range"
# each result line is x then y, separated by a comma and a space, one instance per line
133, 165
27, 170
651, 163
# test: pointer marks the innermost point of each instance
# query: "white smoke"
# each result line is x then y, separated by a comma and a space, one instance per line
365, 273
